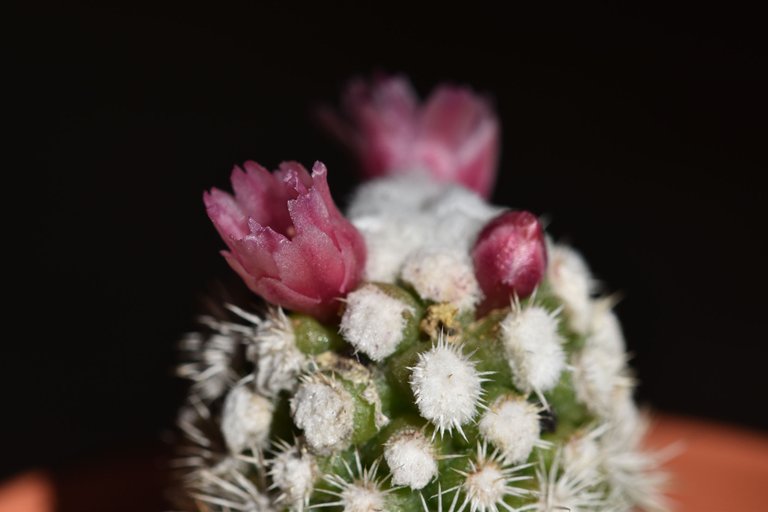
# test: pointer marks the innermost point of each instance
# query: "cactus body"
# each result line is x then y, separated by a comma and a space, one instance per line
406, 403
440, 353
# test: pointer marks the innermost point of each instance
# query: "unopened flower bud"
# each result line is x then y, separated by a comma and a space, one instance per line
510, 258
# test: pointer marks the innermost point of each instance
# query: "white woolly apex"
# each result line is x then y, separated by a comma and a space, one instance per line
572, 283
512, 424
534, 348
411, 459
398, 215
458, 215
447, 387
599, 379
391, 195
245, 419
293, 471
488, 482
373, 321
456, 199
325, 411
443, 275
362, 494
388, 242
272, 347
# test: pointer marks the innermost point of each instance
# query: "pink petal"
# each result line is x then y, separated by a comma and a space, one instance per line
226, 214
277, 292
450, 116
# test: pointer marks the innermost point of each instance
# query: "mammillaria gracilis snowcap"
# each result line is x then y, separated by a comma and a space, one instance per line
425, 353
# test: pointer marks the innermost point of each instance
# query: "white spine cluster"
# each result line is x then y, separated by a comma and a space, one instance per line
361, 493
512, 424
272, 347
442, 275
325, 411
582, 453
293, 471
568, 488
600, 379
373, 321
572, 283
488, 481
633, 474
447, 387
246, 419
231, 492
411, 459
605, 332
210, 368
534, 348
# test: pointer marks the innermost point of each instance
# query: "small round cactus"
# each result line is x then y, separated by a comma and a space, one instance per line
427, 352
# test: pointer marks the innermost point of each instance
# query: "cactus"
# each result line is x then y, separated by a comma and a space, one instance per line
429, 351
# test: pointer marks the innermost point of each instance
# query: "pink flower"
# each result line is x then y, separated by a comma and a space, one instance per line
510, 258
454, 136
286, 238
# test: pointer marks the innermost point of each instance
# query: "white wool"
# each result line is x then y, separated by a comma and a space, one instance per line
293, 472
373, 321
411, 459
534, 348
246, 419
325, 411
572, 282
447, 387
512, 424
442, 276
278, 360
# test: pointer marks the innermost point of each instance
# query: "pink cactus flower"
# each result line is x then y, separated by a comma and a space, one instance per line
510, 258
286, 238
454, 136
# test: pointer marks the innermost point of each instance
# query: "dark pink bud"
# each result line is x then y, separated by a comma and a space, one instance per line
453, 136
286, 238
510, 258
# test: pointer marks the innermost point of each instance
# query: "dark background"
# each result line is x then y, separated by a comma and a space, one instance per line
639, 134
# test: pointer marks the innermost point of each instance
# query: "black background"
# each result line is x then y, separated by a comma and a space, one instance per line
638, 134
